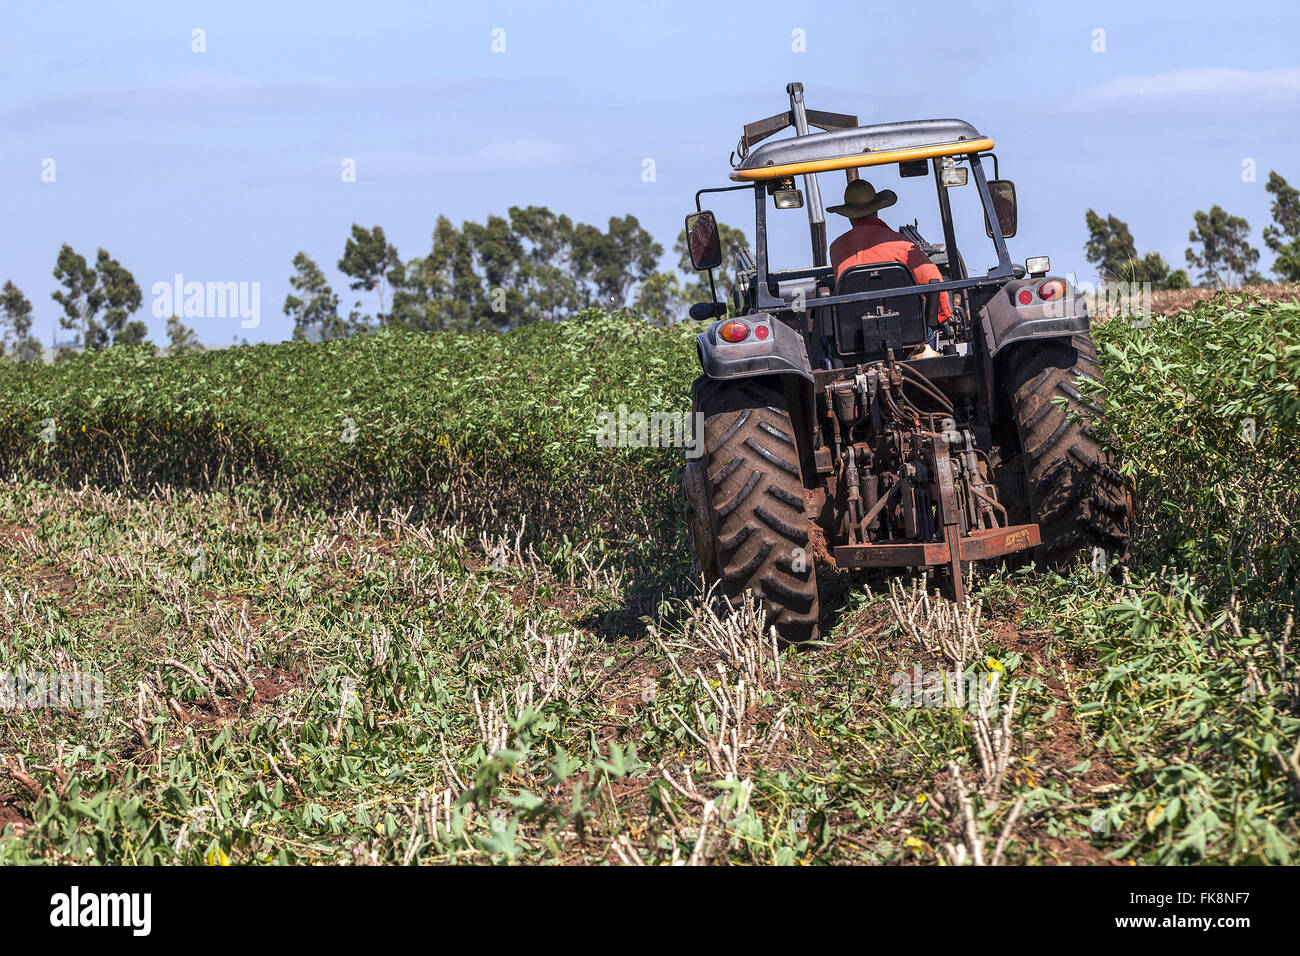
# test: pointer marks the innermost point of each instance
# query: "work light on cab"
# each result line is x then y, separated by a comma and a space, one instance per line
733, 331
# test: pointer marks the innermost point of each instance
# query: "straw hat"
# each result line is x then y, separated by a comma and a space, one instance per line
861, 199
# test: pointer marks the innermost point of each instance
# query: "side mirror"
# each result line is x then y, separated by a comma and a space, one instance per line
708, 310
702, 240
1003, 194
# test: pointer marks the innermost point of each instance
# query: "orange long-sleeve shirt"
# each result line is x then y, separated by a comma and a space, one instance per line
870, 240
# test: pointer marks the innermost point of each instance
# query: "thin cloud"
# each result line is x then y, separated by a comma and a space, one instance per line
207, 93
520, 156
516, 156
1246, 87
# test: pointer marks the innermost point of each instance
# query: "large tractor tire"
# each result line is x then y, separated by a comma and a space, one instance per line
1079, 498
746, 508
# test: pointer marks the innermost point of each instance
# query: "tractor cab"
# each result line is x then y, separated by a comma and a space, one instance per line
862, 313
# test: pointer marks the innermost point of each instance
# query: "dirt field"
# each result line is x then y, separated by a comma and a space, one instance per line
329, 690
528, 673
1172, 301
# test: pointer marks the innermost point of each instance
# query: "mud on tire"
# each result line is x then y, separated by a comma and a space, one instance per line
1079, 498
755, 537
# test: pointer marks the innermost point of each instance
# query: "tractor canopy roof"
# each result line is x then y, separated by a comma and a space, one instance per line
860, 146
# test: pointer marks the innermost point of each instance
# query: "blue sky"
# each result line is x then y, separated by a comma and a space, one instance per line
221, 165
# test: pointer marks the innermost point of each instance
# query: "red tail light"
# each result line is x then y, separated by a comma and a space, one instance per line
1051, 289
1024, 297
734, 331
760, 332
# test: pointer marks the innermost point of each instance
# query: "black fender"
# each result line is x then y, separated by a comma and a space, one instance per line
1006, 321
781, 357
783, 352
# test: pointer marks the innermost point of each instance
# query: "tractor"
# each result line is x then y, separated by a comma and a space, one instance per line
844, 425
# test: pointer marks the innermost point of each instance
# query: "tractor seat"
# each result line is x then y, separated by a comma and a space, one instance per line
869, 328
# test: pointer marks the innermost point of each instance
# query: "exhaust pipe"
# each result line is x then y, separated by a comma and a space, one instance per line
816, 215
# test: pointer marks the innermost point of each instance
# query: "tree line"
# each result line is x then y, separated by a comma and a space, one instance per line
530, 265
1221, 252
97, 302
533, 265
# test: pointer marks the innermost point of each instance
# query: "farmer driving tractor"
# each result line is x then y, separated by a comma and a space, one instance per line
814, 429
870, 241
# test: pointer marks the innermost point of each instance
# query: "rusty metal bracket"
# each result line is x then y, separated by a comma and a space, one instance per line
950, 515
976, 546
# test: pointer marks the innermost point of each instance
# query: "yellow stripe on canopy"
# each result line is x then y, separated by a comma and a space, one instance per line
879, 158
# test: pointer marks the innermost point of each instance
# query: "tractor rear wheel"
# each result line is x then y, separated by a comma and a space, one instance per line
1079, 498
746, 508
